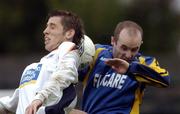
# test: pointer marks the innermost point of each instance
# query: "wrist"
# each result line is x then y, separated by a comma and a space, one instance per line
40, 97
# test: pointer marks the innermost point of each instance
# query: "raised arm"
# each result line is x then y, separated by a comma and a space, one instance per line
147, 71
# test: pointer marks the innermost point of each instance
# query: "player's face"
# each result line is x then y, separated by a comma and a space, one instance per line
127, 46
53, 33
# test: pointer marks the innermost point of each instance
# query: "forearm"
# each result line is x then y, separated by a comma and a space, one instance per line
54, 87
144, 73
65, 75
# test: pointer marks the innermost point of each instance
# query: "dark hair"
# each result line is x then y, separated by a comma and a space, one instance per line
126, 24
69, 21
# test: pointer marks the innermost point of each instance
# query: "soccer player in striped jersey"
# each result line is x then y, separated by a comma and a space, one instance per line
115, 81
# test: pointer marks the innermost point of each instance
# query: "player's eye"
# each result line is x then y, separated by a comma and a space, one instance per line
52, 26
124, 48
134, 49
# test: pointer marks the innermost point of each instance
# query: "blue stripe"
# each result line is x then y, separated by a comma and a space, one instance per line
69, 95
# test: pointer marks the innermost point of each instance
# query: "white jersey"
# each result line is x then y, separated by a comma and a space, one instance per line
50, 80
58, 94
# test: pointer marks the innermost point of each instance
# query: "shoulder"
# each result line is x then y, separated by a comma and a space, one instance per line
103, 49
71, 57
102, 52
72, 54
107, 47
143, 59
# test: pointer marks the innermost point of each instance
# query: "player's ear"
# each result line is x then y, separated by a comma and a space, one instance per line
112, 40
70, 34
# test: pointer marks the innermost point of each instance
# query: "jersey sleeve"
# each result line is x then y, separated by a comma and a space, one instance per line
65, 75
9, 104
148, 71
85, 69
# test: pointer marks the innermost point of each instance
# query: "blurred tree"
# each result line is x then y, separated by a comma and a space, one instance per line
19, 22
22, 22
100, 18
158, 21
35, 12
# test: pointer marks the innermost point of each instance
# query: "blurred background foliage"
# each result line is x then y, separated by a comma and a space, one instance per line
22, 22
21, 37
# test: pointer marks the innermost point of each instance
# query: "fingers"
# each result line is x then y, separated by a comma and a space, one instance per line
75, 111
114, 62
110, 62
29, 110
33, 107
118, 65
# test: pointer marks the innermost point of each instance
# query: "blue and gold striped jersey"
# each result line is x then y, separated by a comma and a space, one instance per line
107, 92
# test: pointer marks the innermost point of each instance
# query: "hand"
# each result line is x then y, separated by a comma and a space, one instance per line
33, 107
121, 66
75, 111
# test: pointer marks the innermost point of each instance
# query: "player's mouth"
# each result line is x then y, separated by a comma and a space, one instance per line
47, 40
127, 59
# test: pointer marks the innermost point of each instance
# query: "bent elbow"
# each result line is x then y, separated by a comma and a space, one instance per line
166, 82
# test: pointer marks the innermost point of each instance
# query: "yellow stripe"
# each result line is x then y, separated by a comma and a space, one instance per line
137, 101
150, 79
140, 79
142, 60
92, 65
27, 83
154, 66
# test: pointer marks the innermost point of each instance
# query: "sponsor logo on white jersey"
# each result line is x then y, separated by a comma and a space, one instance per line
31, 74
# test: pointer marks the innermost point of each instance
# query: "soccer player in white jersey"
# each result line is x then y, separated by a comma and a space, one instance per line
46, 87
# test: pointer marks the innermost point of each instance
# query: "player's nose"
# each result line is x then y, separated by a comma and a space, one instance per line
46, 30
128, 54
